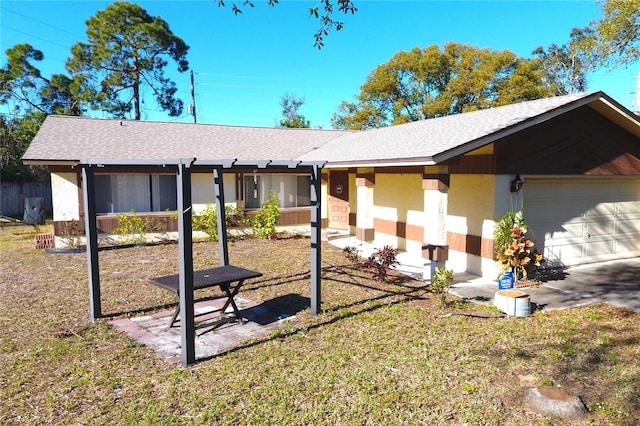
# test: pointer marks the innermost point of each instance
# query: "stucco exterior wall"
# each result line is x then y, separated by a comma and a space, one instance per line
398, 204
504, 201
64, 191
203, 190
470, 214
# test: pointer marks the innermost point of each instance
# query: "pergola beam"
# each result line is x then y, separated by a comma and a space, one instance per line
184, 168
185, 250
222, 215
91, 231
316, 239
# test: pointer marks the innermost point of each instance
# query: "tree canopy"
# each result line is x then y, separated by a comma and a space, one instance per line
126, 50
566, 66
323, 11
617, 32
23, 86
433, 82
16, 135
290, 111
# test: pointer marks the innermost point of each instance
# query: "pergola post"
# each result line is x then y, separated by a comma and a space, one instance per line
185, 250
91, 234
222, 219
316, 240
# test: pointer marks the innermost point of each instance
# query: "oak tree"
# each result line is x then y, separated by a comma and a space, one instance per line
126, 51
617, 32
323, 11
432, 82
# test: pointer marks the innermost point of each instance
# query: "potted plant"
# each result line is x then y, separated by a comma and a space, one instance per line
513, 249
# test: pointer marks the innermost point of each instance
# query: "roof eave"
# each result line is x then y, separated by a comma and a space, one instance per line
386, 162
41, 162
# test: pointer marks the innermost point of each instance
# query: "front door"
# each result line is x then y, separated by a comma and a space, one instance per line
339, 199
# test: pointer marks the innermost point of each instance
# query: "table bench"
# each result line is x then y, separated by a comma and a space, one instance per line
228, 278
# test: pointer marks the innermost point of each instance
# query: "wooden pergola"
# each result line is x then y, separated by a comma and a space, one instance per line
183, 168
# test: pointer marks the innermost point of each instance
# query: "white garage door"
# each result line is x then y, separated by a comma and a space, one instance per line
584, 220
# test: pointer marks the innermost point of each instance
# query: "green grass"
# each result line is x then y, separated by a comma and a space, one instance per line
379, 354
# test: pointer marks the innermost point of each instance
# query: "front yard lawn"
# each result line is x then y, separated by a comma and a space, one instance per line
379, 354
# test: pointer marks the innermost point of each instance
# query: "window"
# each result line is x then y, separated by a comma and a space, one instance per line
292, 190
122, 193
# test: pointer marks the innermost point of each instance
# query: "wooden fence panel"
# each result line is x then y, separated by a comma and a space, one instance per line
13, 194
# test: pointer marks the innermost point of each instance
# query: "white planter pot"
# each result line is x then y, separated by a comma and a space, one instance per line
513, 302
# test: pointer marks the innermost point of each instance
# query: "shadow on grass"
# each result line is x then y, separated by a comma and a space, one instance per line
388, 297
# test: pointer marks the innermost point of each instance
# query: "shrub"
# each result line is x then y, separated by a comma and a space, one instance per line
71, 232
133, 227
513, 250
502, 237
441, 282
207, 221
267, 217
520, 256
352, 253
382, 261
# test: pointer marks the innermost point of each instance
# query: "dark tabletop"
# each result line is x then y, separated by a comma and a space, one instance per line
205, 278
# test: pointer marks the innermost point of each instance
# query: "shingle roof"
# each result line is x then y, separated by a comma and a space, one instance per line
421, 142
64, 138
424, 141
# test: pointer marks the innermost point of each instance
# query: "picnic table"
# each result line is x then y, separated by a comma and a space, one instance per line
228, 278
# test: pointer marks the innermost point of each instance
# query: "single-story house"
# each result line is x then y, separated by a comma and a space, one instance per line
434, 187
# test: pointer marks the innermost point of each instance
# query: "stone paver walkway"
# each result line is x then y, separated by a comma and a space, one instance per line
213, 337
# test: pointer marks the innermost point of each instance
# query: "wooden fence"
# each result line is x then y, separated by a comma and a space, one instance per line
13, 194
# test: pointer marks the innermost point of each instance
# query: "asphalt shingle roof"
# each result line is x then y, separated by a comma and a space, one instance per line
63, 138
427, 139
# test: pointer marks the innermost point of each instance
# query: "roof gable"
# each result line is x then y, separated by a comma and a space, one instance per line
435, 140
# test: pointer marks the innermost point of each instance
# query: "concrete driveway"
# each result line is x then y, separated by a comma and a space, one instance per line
616, 283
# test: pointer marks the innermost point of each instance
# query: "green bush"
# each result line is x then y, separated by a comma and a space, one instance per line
207, 221
267, 217
133, 227
441, 282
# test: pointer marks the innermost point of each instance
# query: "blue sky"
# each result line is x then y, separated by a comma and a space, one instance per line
244, 64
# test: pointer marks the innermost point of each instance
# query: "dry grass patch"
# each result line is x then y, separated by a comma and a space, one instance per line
380, 353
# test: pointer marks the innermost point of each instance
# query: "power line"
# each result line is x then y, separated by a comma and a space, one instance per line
40, 22
34, 36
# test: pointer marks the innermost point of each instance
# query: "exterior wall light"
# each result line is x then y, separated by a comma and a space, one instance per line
517, 183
